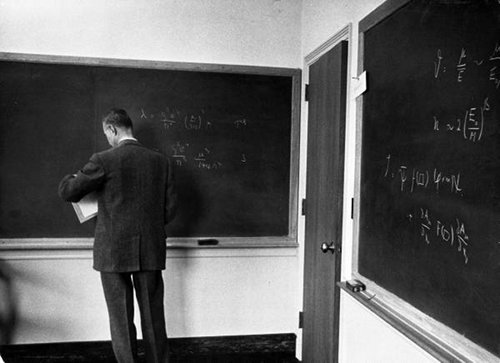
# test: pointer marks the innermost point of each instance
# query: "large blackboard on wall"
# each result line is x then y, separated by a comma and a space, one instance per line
429, 209
229, 135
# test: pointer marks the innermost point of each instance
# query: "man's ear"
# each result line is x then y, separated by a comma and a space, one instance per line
112, 129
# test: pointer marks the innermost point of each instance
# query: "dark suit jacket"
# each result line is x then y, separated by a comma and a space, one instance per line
136, 199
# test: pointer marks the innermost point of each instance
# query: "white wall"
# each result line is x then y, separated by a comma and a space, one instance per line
257, 32
208, 292
363, 336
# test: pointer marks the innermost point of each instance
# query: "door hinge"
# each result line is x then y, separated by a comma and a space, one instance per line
301, 319
352, 208
303, 212
306, 94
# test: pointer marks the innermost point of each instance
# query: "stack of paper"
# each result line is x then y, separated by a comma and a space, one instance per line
86, 208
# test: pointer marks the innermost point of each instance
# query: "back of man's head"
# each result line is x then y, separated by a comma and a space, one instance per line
118, 118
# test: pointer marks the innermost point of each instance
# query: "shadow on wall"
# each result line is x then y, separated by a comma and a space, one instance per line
8, 308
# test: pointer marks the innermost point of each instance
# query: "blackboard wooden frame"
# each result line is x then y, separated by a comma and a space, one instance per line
440, 341
223, 242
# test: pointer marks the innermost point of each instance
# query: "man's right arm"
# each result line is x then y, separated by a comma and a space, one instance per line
74, 187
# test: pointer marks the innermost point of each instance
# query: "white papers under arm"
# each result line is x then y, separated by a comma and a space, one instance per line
86, 208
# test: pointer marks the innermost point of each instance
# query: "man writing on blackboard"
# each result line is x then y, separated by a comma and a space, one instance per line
136, 199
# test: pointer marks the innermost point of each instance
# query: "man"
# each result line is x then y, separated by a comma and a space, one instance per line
136, 199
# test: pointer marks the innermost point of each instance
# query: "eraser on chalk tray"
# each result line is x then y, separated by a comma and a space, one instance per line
355, 285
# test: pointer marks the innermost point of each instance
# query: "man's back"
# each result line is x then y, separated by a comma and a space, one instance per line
132, 209
134, 189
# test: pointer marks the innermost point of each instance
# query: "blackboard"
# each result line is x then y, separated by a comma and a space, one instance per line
227, 130
429, 189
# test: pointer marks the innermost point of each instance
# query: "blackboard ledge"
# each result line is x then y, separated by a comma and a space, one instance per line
233, 242
25, 244
437, 349
422, 336
17, 244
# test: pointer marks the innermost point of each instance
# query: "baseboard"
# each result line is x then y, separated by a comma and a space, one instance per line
247, 344
283, 344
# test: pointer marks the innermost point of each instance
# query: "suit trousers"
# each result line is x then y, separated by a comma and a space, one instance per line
118, 292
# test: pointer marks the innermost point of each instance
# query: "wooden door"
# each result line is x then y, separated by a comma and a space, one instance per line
324, 199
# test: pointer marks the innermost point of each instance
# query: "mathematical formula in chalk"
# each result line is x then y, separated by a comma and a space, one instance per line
412, 178
195, 153
432, 229
171, 117
470, 127
459, 67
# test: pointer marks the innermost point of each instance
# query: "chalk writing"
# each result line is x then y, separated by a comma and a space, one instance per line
202, 158
194, 122
209, 165
179, 153
197, 124
203, 161
171, 117
471, 126
496, 53
464, 60
240, 123
462, 65
434, 229
411, 179
495, 76
168, 121
453, 180
437, 63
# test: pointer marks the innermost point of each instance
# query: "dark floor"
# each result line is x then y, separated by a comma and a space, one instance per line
271, 349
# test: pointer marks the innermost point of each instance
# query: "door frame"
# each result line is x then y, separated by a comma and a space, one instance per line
345, 34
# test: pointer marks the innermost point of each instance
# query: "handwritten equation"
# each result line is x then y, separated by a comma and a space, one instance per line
470, 127
172, 117
194, 153
434, 229
452, 113
202, 158
462, 65
411, 178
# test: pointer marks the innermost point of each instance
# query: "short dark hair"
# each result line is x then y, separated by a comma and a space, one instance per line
118, 118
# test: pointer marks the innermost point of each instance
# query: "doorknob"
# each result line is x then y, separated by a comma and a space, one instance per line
325, 247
